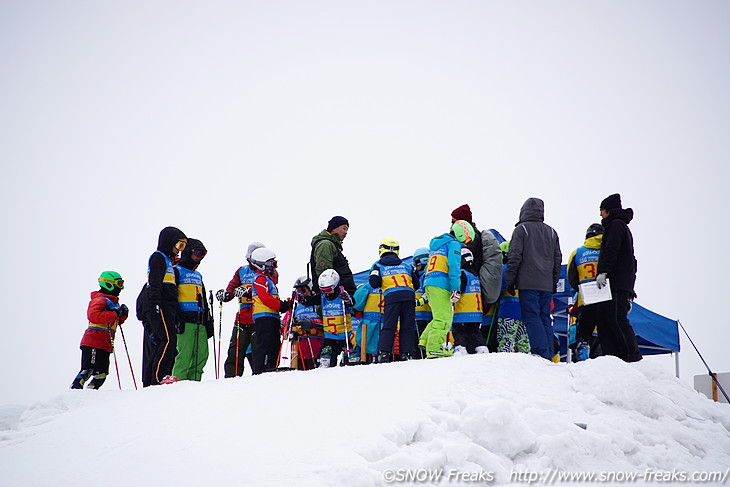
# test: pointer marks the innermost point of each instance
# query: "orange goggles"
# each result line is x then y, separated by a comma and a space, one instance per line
180, 245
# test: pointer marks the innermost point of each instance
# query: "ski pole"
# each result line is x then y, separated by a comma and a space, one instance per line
131, 369
348, 351
215, 363
116, 366
220, 324
238, 340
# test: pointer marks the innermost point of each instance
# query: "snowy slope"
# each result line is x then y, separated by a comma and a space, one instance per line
488, 415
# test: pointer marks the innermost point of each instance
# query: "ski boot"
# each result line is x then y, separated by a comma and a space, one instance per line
384, 357
582, 351
169, 379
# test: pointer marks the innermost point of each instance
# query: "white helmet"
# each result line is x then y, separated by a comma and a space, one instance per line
328, 280
263, 259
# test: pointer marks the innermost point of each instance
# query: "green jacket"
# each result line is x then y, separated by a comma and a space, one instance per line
327, 254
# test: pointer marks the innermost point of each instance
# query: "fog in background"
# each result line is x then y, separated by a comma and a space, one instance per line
242, 121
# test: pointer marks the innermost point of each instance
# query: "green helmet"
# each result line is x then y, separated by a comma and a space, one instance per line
110, 279
463, 231
504, 246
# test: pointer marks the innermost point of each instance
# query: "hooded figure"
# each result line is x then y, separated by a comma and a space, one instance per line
160, 316
533, 267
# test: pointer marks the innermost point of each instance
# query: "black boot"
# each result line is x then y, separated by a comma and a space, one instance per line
81, 379
97, 381
384, 357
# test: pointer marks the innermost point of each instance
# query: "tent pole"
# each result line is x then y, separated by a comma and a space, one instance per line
676, 364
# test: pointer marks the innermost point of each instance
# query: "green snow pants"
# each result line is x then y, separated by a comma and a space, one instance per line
192, 352
434, 337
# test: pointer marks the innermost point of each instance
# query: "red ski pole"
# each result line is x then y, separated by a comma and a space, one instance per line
124, 340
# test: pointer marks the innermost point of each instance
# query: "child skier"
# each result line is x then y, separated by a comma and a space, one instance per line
468, 312
242, 336
195, 323
369, 305
442, 283
395, 279
335, 318
423, 310
307, 326
266, 309
104, 314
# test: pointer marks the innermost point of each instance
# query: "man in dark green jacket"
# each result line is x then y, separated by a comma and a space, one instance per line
327, 253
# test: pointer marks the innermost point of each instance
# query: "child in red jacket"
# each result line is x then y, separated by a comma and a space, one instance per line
104, 314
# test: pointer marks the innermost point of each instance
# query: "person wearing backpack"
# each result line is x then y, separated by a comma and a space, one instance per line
158, 306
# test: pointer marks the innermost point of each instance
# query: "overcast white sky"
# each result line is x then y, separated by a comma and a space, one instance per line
241, 121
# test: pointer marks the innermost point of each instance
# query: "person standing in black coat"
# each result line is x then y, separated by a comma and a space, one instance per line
157, 307
617, 267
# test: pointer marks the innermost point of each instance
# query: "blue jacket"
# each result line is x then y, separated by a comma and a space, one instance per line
444, 263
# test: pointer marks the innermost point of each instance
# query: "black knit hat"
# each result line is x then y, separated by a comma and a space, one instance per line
337, 221
613, 202
594, 229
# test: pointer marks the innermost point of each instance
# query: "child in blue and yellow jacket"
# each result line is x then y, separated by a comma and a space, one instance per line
394, 277
442, 284
468, 310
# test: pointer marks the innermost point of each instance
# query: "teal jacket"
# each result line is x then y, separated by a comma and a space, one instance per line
450, 281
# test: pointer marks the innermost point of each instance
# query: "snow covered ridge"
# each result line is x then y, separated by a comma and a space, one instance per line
478, 419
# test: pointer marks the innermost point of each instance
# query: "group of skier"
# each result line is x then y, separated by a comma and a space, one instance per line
466, 293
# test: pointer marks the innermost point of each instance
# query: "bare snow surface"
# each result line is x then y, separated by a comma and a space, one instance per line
473, 420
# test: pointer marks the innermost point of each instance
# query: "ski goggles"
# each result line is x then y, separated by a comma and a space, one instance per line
200, 253
114, 282
180, 245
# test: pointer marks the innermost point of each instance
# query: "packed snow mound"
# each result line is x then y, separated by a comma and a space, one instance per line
494, 415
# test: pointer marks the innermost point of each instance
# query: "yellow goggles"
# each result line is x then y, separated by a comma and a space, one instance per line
114, 282
180, 245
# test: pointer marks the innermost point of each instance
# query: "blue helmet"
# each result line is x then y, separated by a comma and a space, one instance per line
420, 256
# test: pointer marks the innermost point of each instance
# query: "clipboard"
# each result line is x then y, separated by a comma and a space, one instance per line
591, 294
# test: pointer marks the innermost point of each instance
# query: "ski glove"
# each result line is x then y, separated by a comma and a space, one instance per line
421, 301
242, 292
601, 280
122, 310
455, 296
285, 306
222, 295
346, 298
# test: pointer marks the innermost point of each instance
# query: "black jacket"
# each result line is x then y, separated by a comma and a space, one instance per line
162, 294
617, 251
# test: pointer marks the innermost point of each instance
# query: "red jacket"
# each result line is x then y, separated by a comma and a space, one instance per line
102, 322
